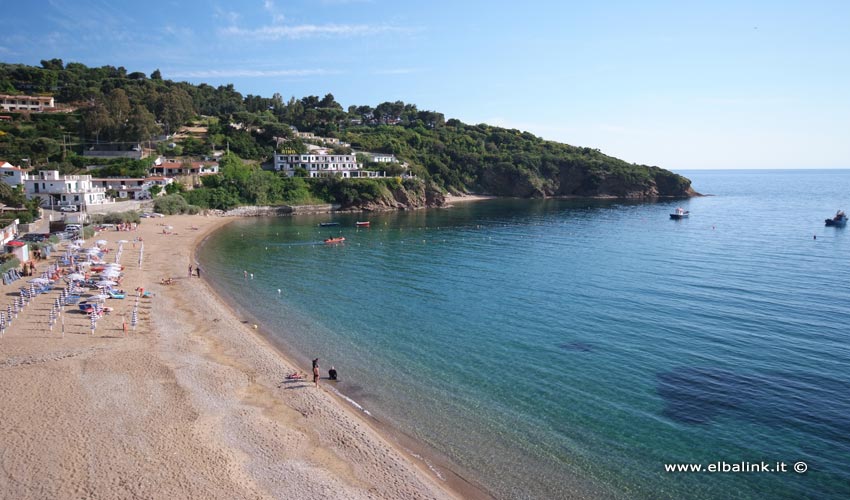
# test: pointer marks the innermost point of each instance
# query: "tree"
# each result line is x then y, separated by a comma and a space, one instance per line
141, 125
174, 108
45, 147
96, 120
329, 102
54, 64
156, 75
117, 104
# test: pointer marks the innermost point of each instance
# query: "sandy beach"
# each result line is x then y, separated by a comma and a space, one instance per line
189, 403
452, 199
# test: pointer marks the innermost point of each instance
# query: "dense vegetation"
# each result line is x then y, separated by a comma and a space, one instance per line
110, 105
14, 197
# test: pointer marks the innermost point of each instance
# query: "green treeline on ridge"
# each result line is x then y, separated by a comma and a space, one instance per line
108, 105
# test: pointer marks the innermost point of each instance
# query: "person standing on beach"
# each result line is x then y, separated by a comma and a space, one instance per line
198, 270
190, 270
316, 372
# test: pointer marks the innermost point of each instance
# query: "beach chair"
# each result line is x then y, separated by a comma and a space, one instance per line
72, 299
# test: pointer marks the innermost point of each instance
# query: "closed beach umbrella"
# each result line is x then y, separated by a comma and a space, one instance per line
76, 277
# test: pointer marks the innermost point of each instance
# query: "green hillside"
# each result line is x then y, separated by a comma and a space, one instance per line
108, 105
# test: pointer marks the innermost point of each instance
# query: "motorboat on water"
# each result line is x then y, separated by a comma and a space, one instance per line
680, 213
840, 219
338, 239
328, 224
362, 223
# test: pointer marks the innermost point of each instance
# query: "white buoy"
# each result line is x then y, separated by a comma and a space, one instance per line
278, 291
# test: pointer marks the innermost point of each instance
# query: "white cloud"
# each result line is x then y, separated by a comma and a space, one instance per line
398, 71
246, 73
309, 31
228, 15
271, 8
343, 2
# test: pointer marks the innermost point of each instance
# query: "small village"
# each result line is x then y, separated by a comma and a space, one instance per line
72, 199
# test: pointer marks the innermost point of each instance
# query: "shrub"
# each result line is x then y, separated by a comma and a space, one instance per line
116, 217
174, 204
9, 261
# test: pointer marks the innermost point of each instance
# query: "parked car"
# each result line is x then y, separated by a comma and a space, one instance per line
68, 208
35, 237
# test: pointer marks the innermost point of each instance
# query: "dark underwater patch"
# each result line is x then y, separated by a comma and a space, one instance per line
577, 347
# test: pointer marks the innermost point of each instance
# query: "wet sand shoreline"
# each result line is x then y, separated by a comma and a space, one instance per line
189, 404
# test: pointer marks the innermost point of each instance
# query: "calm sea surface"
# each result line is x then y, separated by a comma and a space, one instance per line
556, 348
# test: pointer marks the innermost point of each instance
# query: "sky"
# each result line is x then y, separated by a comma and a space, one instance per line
680, 85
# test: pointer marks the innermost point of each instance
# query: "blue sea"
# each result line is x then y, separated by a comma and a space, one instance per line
572, 348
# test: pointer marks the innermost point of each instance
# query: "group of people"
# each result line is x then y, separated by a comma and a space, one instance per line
332, 374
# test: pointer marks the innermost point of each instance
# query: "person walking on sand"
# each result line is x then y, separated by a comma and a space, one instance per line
190, 270
316, 372
198, 270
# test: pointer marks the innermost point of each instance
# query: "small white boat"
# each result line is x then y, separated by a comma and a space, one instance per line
680, 213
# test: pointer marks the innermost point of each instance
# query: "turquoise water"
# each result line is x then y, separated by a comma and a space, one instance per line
562, 348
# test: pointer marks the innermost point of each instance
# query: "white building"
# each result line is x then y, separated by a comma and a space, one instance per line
12, 175
177, 166
382, 158
318, 163
25, 102
131, 188
58, 190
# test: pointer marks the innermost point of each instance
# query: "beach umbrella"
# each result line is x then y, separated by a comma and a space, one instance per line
123, 241
100, 296
100, 242
105, 283
111, 274
79, 242
76, 277
39, 281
